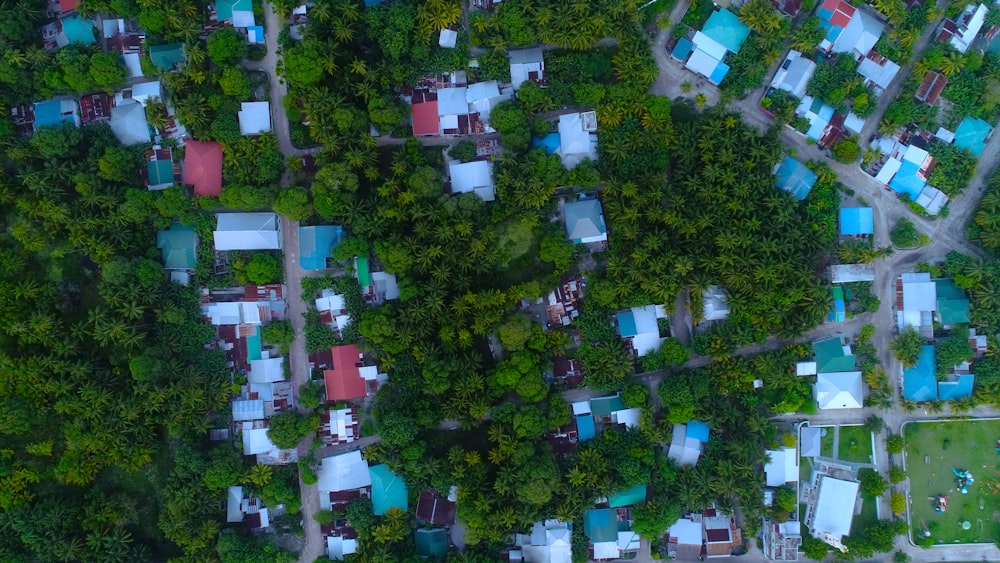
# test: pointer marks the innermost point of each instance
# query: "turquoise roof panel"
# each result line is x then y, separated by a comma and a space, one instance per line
961, 389
317, 243
78, 30
601, 525
388, 490
971, 135
725, 28
585, 429
682, 49
857, 221
919, 381
626, 324
794, 177
698, 430
629, 497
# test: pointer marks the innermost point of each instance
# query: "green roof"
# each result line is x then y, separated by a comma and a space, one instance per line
601, 525
361, 268
830, 357
629, 497
178, 245
388, 490
431, 543
224, 8
165, 57
160, 172
604, 406
952, 302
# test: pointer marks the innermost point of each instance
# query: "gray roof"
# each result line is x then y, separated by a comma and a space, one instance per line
523, 56
584, 219
128, 123
809, 442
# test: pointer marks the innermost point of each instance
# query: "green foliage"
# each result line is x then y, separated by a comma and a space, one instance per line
293, 203
846, 150
905, 234
786, 499
519, 333
954, 170
651, 518
605, 362
226, 46
237, 547
872, 483
985, 224
556, 250
235, 82
310, 395
906, 347
245, 197
680, 393
815, 549
635, 395
463, 151
901, 556
286, 430
896, 474
278, 333
512, 124
254, 161
953, 350
225, 467
262, 268
894, 443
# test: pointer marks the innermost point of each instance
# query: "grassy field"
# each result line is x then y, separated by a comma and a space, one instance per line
869, 515
932, 449
855, 444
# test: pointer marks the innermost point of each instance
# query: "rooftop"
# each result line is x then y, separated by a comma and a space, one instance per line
726, 28
857, 221
178, 244
203, 167
971, 135
316, 244
794, 177
388, 490
831, 356
919, 381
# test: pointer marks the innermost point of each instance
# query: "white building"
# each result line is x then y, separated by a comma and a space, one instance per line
919, 303
549, 542
577, 138
794, 74
839, 390
473, 177
344, 472
255, 118
248, 231
783, 468
266, 370
526, 64
834, 511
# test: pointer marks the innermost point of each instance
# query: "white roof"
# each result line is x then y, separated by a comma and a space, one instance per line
915, 154
112, 27
790, 528
702, 63
932, 199
247, 231
834, 507
145, 91
475, 176
854, 123
128, 123
132, 64
340, 419
549, 542
879, 74
386, 283
848, 273
919, 295
333, 302
809, 441
888, 170
245, 409
344, 472
581, 407
255, 118
784, 467
369, 373
794, 74
266, 370
805, 368
628, 417
234, 499
606, 550
945, 135
715, 306
451, 101
628, 540
243, 18
710, 46
575, 142
647, 338
481, 91
337, 547
233, 313
524, 61
860, 35
839, 390
687, 532
968, 34
256, 441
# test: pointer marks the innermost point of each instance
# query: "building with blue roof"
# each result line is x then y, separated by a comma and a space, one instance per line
629, 497
698, 430
388, 490
794, 177
961, 388
56, 112
723, 33
817, 113
725, 28
585, 428
317, 243
907, 180
839, 312
682, 49
919, 382
857, 221
971, 135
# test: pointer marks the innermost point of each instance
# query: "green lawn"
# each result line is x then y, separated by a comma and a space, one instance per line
825, 450
932, 449
855, 444
869, 515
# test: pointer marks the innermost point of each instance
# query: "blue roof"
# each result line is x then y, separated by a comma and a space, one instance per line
626, 324
698, 431
316, 244
628, 498
585, 429
682, 49
961, 389
906, 180
224, 8
857, 221
550, 143
794, 177
971, 134
78, 30
727, 29
601, 525
50, 113
919, 382
719, 73
388, 490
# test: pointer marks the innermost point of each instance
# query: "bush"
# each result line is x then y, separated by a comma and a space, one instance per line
463, 151
905, 234
846, 151
896, 474
280, 334
894, 443
906, 347
288, 429
872, 484
897, 502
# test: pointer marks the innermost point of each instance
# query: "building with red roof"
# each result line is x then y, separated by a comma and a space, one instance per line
203, 167
425, 113
344, 380
68, 5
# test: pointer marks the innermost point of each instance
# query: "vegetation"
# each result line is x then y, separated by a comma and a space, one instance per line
905, 234
906, 347
838, 84
749, 67
985, 224
954, 169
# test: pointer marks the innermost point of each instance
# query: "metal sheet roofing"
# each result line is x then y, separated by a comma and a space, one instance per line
857, 221
724, 27
919, 381
628, 497
388, 490
794, 177
316, 243
971, 135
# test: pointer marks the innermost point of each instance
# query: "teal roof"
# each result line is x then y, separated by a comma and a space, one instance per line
601, 525
316, 244
253, 347
224, 8
961, 389
431, 543
584, 219
178, 245
160, 172
626, 324
857, 221
698, 430
794, 177
585, 428
830, 357
919, 382
165, 57
629, 497
363, 273
952, 302
78, 30
971, 135
604, 406
727, 29
388, 490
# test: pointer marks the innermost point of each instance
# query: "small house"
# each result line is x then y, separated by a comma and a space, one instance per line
577, 138
549, 542
877, 71
952, 303
971, 135
161, 170
238, 13
473, 177
255, 118
128, 123
55, 112
388, 490
832, 356
435, 509
857, 221
167, 57
95, 108
424, 113
848, 29
839, 390
930, 89
341, 473
203, 167
248, 231
793, 177
448, 38
723, 33
316, 244
178, 245
585, 221
916, 300
794, 74
963, 30
783, 467
525, 65
339, 426
62, 32
639, 327
431, 543
687, 442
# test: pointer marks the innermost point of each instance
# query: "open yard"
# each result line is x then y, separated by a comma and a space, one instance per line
855, 444
932, 450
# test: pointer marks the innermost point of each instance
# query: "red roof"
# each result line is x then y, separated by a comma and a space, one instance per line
203, 167
931, 88
425, 118
68, 5
842, 12
344, 381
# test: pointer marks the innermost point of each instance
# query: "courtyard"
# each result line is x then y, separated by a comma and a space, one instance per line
932, 450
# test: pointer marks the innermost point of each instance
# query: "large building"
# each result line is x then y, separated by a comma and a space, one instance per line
830, 497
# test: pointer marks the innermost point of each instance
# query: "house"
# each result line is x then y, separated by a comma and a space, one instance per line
62, 32
248, 510
424, 114
628, 497
453, 111
839, 312
178, 245
639, 327
339, 546
930, 89
435, 509
782, 541
347, 378
376, 287
783, 467
95, 108
248, 231
203, 167
857, 221
239, 13
161, 170
316, 244
839, 390
919, 381
124, 37
300, 18
332, 309
473, 177
607, 538
952, 303
266, 370
562, 306
794, 74
255, 118
916, 299
958, 386
526, 64
431, 543
55, 112
167, 57
971, 135
577, 140
340, 473
877, 71
585, 221
226, 313
448, 38
832, 356
715, 303
850, 273
825, 125
339, 426
830, 498
685, 540
257, 442
388, 490
723, 33
848, 29
687, 442
810, 441
143, 92
255, 34
907, 170
549, 542
128, 123
720, 533
963, 30
803, 369
793, 177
